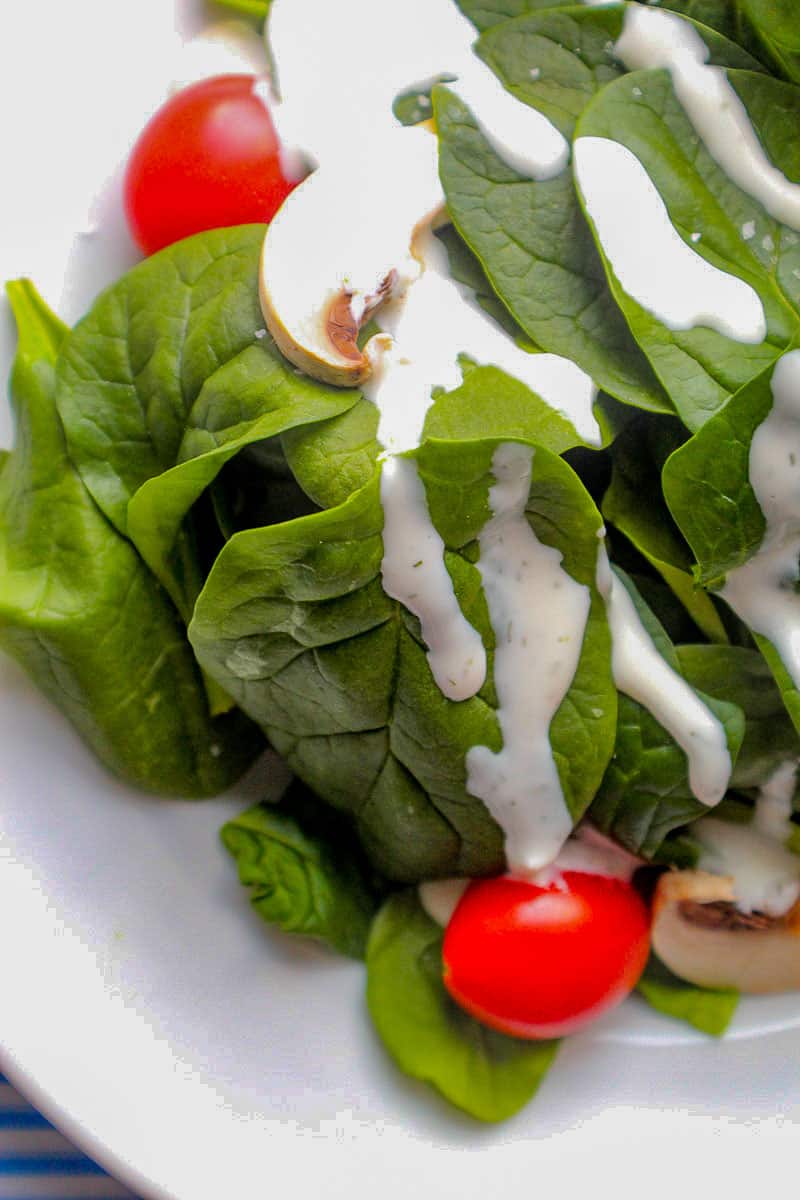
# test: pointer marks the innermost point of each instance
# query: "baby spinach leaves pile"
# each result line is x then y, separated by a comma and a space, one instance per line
82, 613
191, 531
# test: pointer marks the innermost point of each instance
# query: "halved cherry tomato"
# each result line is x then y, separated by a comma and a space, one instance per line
541, 961
208, 157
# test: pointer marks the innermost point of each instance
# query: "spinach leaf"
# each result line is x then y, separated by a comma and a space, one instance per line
559, 59
257, 487
708, 490
701, 368
486, 13
741, 675
332, 459
81, 612
169, 376
132, 369
723, 16
416, 105
709, 1010
250, 8
255, 396
636, 507
775, 25
645, 793
293, 621
707, 484
304, 870
485, 1073
466, 268
536, 250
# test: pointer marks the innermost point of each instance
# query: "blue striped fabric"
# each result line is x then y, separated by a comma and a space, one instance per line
38, 1163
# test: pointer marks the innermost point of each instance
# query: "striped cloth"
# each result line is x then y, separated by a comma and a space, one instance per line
37, 1163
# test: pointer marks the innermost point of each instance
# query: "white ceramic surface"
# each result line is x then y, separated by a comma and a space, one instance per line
142, 1005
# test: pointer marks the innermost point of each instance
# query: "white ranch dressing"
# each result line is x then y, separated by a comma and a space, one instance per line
433, 320
662, 40
765, 875
763, 591
775, 803
641, 673
340, 66
539, 615
653, 263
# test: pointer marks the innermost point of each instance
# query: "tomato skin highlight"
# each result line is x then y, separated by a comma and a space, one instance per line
208, 157
541, 961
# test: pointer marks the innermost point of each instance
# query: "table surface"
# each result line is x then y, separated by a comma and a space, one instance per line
37, 1161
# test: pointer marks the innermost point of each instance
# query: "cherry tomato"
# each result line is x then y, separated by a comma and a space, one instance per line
209, 157
542, 961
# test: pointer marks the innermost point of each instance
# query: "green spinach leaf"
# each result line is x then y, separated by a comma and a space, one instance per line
559, 59
487, 1074
741, 675
81, 612
708, 490
723, 16
537, 253
166, 379
132, 369
709, 1010
701, 368
304, 870
635, 505
250, 8
293, 621
256, 396
776, 28
707, 484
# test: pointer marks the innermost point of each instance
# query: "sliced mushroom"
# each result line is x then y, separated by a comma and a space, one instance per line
341, 245
700, 934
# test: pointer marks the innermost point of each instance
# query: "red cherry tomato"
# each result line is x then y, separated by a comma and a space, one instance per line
542, 961
209, 157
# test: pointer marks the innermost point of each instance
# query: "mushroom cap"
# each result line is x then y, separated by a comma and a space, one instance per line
702, 937
341, 245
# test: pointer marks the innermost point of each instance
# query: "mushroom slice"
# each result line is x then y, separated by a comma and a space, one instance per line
341, 246
699, 933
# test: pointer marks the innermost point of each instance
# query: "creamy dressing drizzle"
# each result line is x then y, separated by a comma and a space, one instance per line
764, 873
539, 615
339, 71
763, 592
664, 40
653, 263
425, 328
641, 673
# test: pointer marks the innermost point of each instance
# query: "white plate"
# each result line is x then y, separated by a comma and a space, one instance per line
142, 1005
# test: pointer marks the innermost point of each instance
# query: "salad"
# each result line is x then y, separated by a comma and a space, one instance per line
454, 457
